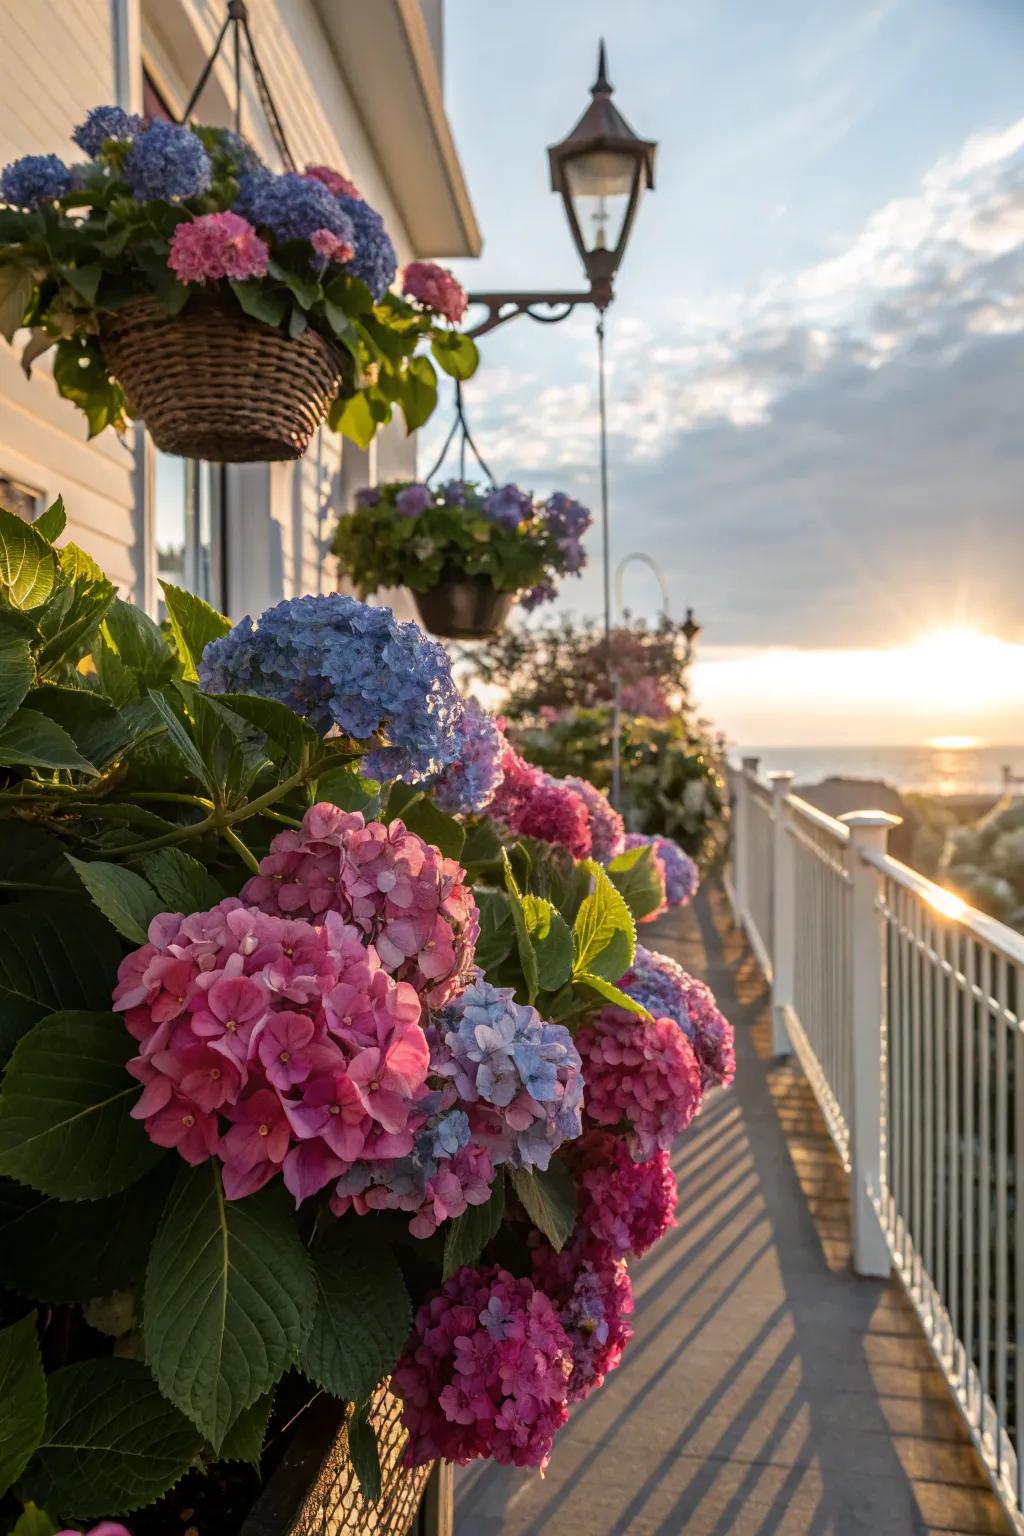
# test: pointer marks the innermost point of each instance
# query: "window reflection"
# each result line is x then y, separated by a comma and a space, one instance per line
186, 504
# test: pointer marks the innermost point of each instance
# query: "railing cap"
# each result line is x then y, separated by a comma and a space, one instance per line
861, 820
782, 776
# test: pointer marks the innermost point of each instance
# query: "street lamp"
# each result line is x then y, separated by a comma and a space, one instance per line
620, 572
691, 629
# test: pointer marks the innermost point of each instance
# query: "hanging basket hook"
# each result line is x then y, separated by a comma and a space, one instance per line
460, 426
237, 21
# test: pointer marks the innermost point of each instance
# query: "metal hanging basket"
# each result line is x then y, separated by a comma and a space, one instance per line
213, 382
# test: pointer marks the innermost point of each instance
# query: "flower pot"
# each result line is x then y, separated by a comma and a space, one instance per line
214, 383
464, 607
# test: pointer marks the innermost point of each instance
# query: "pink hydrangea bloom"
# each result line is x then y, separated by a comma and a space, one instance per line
593, 1297
661, 985
334, 181
519, 780
280, 1046
330, 247
624, 1207
217, 245
485, 1373
640, 1071
556, 813
645, 697
435, 287
607, 832
105, 1528
409, 901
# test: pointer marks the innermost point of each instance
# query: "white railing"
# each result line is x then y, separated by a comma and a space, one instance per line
905, 1008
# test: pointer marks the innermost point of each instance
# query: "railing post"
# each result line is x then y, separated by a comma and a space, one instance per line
783, 913
741, 839
869, 832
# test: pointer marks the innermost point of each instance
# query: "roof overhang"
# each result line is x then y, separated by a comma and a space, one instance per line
384, 52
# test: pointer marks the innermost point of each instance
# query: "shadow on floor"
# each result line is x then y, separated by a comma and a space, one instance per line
768, 1391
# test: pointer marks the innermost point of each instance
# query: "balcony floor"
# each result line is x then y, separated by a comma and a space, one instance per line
767, 1390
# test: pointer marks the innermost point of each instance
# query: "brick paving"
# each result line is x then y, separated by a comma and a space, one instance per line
768, 1391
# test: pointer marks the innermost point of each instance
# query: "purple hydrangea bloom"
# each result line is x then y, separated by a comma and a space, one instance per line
470, 783
544, 592
105, 123
374, 262
167, 163
607, 832
368, 496
668, 992
341, 663
508, 505
520, 1077
34, 180
413, 500
457, 493
291, 207
682, 877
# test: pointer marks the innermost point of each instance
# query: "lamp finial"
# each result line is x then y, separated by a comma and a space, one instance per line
602, 86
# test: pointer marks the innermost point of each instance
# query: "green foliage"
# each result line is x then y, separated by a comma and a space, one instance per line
34, 1521
636, 877
362, 1316
194, 624
362, 1447
55, 953
22, 1399
468, 1235
549, 1199
604, 934
127, 900
229, 1299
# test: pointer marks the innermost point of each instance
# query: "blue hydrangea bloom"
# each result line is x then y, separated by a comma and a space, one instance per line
508, 505
413, 500
234, 148
105, 123
502, 1054
458, 493
166, 164
470, 783
544, 592
342, 664
34, 180
374, 262
291, 207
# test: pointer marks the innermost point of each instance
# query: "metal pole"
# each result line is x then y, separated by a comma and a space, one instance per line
605, 521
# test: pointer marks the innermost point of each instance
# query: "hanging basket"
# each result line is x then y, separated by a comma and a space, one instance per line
464, 607
214, 383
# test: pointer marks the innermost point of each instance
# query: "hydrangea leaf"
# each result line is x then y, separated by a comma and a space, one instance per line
229, 1299
17, 286
34, 1521
22, 1398
138, 644
636, 877
604, 933
417, 391
16, 674
53, 521
100, 732
468, 1235
610, 993
457, 354
194, 624
549, 1199
497, 931
244, 1440
435, 827
55, 952
33, 740
181, 882
362, 1317
65, 1127
290, 734
75, 611
527, 953
551, 938
125, 898
362, 1447
112, 1442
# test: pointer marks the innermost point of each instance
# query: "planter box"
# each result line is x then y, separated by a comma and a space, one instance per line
315, 1491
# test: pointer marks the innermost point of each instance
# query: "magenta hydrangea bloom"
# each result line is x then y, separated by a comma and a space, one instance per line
409, 901
556, 813
334, 181
214, 246
682, 877
279, 1046
593, 1297
436, 288
607, 832
105, 1528
330, 247
661, 986
641, 1071
485, 1373
519, 781
623, 1207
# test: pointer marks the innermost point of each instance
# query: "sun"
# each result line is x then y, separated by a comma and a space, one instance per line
954, 743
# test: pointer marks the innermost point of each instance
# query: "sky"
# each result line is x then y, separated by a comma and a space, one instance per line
816, 347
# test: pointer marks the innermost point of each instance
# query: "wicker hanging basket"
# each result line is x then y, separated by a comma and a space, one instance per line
464, 607
214, 383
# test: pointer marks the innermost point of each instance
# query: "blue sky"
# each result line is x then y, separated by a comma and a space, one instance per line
817, 342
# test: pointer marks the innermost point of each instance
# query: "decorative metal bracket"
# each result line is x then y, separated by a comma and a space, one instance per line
507, 306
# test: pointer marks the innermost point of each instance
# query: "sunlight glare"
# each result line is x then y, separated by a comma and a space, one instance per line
946, 903
953, 743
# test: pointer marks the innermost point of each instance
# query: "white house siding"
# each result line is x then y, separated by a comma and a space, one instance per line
59, 58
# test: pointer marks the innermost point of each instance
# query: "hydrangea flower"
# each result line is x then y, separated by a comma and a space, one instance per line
624, 1207
412, 500
444, 1174
645, 697
556, 813
543, 592
214, 246
507, 505
519, 781
568, 520
337, 184
607, 831
291, 207
662, 987
374, 262
232, 147
329, 248
518, 1076
468, 785
340, 663
436, 287
682, 877
640, 1071
280, 1047
401, 893
167, 163
34, 180
105, 1528
485, 1373
103, 123
593, 1297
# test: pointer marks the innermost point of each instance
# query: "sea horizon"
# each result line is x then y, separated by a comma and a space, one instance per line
926, 768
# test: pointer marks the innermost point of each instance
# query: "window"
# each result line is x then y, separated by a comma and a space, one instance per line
22, 499
187, 525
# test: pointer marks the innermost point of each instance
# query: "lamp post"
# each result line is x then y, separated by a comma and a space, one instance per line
620, 571
600, 170
691, 629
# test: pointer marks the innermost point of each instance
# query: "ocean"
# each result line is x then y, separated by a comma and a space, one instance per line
929, 770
